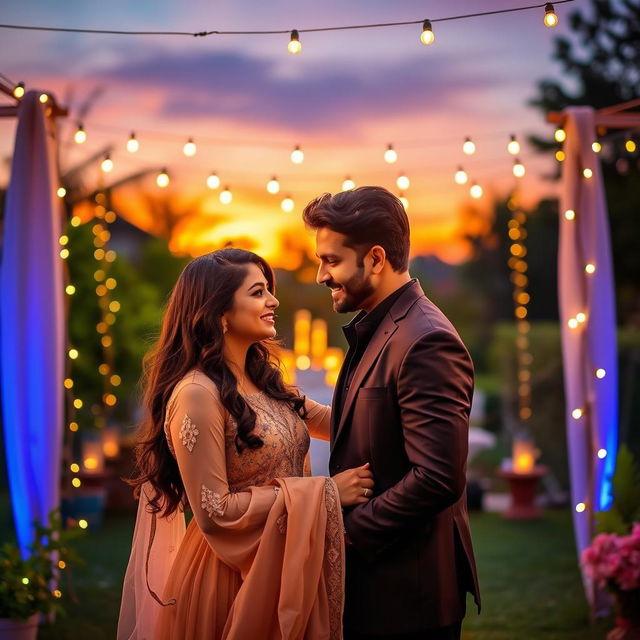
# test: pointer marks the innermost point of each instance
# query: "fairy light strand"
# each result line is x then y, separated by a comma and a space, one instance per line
220, 32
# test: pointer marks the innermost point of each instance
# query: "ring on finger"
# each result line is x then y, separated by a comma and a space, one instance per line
366, 492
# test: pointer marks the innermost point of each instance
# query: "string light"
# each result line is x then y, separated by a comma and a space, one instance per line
602, 454
570, 214
70, 289
476, 191
44, 98
213, 181
581, 317
468, 147
550, 17
587, 173
189, 148
404, 200
61, 192
73, 354
560, 156
461, 176
596, 146
514, 146
390, 155
630, 146
273, 186
64, 253
580, 507
226, 196
287, 204
560, 135
403, 182
162, 179
576, 414
572, 323
132, 143
600, 373
83, 524
297, 155
590, 268
80, 136
19, 90
518, 169
427, 37
77, 403
294, 46
107, 164
74, 467
348, 184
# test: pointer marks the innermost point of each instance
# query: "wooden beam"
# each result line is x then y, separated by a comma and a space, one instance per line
610, 118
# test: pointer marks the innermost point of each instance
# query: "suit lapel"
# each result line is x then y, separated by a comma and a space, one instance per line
378, 340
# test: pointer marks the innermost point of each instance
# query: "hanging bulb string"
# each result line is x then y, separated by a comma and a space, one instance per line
217, 32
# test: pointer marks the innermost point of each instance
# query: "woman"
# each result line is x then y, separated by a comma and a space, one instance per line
263, 556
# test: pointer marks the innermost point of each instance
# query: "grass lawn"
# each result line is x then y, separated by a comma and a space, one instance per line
528, 578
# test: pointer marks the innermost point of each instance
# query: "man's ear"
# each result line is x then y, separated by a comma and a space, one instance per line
378, 258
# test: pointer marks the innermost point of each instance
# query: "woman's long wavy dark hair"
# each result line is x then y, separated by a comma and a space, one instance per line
191, 337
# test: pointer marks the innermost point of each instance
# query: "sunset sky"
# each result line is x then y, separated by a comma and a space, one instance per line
247, 102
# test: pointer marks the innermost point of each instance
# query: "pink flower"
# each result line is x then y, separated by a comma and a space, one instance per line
614, 559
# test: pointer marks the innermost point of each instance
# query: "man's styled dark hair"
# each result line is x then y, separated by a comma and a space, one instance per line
367, 216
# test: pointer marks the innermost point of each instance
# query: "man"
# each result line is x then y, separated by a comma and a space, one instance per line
402, 404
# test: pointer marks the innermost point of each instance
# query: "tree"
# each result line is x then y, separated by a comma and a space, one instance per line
602, 63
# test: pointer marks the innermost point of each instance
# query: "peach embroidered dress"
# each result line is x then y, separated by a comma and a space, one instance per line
263, 556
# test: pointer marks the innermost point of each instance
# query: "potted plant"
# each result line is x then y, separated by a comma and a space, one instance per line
613, 558
28, 588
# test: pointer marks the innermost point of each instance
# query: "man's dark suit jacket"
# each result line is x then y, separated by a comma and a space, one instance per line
406, 412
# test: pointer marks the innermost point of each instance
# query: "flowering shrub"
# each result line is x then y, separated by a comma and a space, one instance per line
613, 560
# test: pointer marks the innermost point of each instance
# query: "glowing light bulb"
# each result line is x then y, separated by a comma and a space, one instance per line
590, 268
44, 98
107, 164
476, 191
461, 176
61, 192
273, 186
294, 46
287, 204
25, 580
390, 155
189, 148
560, 156
73, 354
83, 524
348, 184
75, 467
226, 196
550, 17
630, 146
403, 182
581, 317
596, 146
576, 414
518, 169
602, 454
297, 155
162, 179
572, 323
213, 181
580, 507
70, 289
18, 90
587, 173
132, 143
600, 373
560, 135
404, 200
468, 147
570, 214
427, 37
514, 146
80, 136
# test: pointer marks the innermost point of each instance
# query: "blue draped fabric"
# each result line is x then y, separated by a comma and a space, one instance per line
32, 323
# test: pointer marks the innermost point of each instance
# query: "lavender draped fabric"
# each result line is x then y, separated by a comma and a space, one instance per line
586, 286
32, 323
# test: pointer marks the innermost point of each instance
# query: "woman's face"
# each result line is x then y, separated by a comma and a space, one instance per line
252, 317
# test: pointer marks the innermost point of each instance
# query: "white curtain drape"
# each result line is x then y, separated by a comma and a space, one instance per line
32, 322
588, 327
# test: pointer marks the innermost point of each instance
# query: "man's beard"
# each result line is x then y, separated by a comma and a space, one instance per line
355, 291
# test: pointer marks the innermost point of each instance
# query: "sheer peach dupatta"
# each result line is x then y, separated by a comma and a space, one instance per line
266, 562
